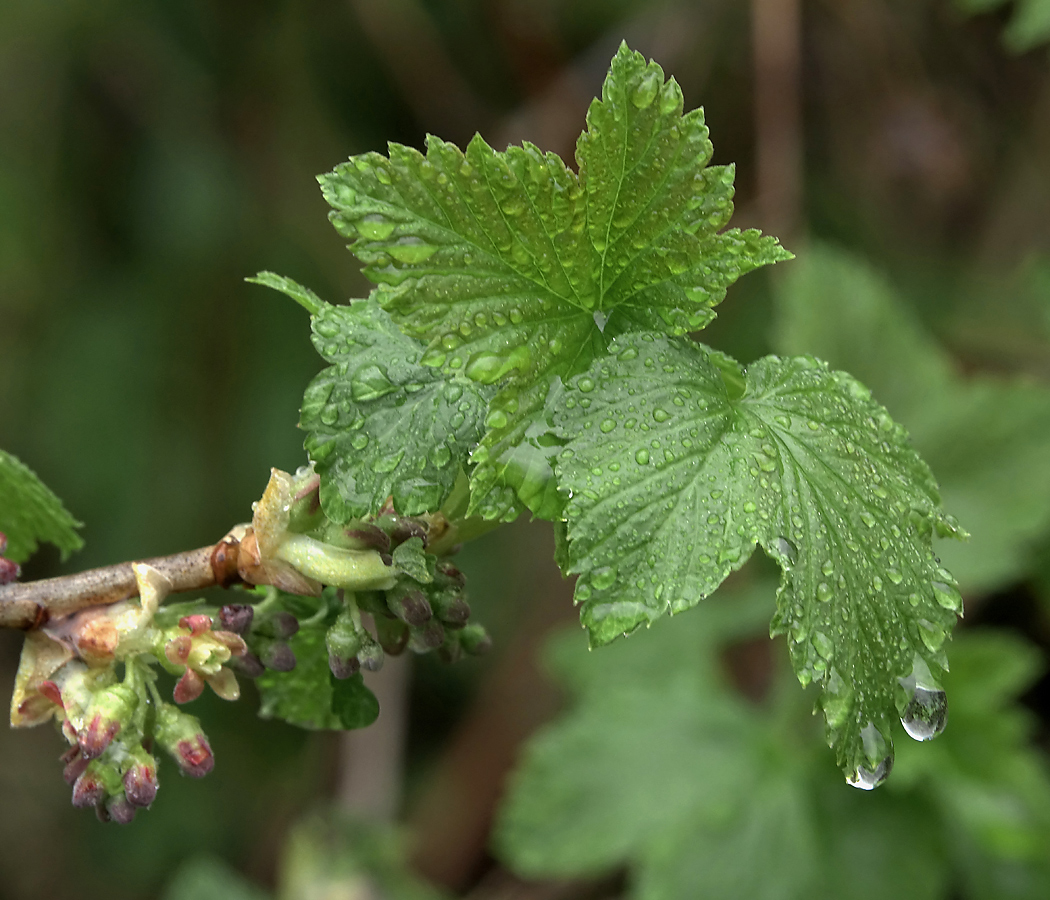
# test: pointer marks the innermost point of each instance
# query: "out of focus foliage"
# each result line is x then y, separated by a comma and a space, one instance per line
153, 154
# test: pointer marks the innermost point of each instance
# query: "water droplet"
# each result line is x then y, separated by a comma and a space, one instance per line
926, 713
894, 576
932, 634
388, 463
661, 415
867, 518
585, 384
823, 644
383, 175
375, 227
359, 441
496, 419
828, 568
948, 596
583, 592
787, 550
607, 425
670, 98
824, 592
370, 382
484, 366
642, 457
876, 583
600, 319
604, 577
879, 752
441, 456
644, 94
411, 250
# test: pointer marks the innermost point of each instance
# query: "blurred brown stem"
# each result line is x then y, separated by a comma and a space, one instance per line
777, 41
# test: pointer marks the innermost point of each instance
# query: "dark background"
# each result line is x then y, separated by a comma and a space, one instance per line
154, 153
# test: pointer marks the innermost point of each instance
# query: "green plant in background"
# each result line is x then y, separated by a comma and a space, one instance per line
1029, 24
526, 348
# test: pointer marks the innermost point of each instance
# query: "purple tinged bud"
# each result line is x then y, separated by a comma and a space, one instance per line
140, 778
370, 655
343, 668
3, 542
236, 617
9, 571
452, 574
412, 607
180, 735
369, 537
278, 656
429, 637
455, 612
248, 665
403, 529
120, 810
284, 625
90, 788
110, 710
75, 765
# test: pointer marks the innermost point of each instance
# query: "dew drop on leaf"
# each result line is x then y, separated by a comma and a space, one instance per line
642, 457
644, 94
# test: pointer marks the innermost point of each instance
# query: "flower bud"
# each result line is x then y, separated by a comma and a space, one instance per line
248, 665
429, 637
343, 667
368, 537
197, 624
392, 634
236, 617
450, 608
277, 655
9, 571
120, 810
475, 640
450, 576
404, 528
75, 764
140, 777
94, 784
180, 735
411, 607
281, 625
370, 655
109, 711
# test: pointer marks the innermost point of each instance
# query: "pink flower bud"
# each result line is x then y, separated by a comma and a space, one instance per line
197, 624
9, 571
181, 736
140, 778
96, 736
195, 757
89, 789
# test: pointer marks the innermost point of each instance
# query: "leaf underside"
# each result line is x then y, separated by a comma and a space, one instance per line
674, 480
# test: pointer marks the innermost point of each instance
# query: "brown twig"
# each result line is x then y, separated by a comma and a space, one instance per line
31, 604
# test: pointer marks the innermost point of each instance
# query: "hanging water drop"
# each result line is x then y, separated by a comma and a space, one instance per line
926, 712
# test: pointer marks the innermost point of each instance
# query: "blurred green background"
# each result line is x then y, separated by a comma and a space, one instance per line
155, 153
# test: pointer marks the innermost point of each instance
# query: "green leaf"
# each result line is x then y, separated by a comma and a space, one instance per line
306, 298
381, 424
410, 559
514, 269
674, 480
986, 437
30, 513
310, 696
660, 766
209, 878
664, 769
